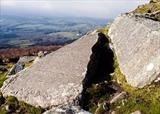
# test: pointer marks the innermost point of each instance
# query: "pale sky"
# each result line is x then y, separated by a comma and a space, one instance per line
78, 8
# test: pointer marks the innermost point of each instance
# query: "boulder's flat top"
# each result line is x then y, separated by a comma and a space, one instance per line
56, 79
137, 45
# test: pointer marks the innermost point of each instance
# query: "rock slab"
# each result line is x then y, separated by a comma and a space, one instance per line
136, 42
56, 79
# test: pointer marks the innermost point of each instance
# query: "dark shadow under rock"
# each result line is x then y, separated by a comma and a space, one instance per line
101, 62
98, 72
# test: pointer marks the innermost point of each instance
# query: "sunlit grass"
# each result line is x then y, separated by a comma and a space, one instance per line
151, 8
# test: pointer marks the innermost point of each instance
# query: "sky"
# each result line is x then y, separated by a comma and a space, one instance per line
76, 8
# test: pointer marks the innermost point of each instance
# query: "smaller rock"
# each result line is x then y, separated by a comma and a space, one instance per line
18, 111
7, 107
40, 54
157, 80
114, 86
69, 111
45, 53
19, 67
26, 59
113, 112
106, 106
5, 61
16, 68
118, 107
66, 110
118, 97
136, 112
112, 74
83, 112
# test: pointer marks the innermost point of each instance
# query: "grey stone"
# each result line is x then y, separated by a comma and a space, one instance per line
83, 112
106, 106
136, 112
117, 97
16, 68
66, 110
157, 80
19, 67
40, 54
26, 59
113, 112
45, 53
136, 42
56, 79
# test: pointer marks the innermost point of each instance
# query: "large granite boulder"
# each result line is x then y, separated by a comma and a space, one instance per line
56, 79
136, 42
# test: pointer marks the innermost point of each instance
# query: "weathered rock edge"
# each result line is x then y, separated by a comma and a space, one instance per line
56, 79
136, 41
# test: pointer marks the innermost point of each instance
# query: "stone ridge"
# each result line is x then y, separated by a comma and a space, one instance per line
137, 45
56, 79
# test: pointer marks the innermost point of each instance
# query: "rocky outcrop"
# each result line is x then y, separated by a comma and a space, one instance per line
56, 79
136, 42
16, 68
26, 59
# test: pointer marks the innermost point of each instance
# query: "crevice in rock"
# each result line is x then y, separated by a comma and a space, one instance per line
99, 68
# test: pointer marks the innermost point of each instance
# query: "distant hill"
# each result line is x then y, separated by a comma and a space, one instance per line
30, 31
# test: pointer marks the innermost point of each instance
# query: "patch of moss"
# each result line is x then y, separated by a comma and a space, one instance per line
150, 98
12, 105
154, 1
105, 30
2, 78
149, 8
96, 94
149, 101
28, 64
8, 66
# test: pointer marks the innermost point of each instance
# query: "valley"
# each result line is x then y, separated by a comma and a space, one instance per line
17, 31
